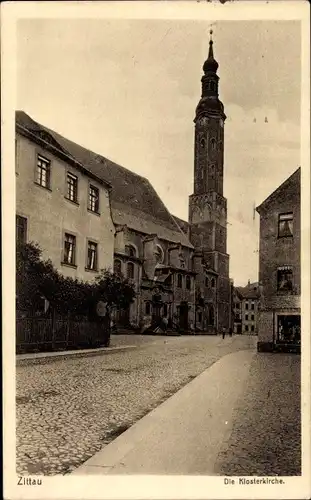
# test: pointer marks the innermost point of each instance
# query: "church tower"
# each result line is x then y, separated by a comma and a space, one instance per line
207, 205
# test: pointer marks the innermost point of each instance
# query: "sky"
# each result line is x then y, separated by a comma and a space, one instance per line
128, 89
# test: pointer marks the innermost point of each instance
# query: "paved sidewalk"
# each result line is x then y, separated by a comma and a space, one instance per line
184, 435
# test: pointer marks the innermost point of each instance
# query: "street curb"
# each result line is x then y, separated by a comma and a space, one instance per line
46, 357
158, 427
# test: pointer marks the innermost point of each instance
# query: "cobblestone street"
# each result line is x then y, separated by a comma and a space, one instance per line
266, 437
68, 409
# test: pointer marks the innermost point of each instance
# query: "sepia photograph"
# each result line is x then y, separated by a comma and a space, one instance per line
160, 244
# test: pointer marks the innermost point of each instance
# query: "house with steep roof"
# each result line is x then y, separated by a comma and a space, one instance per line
279, 267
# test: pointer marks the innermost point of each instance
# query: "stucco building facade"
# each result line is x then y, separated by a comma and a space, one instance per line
60, 204
279, 267
246, 306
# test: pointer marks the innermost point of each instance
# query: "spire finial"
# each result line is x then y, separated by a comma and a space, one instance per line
211, 35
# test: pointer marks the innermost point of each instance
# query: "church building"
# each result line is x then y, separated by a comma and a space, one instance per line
180, 269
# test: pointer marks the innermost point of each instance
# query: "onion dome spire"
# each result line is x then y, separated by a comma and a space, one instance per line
210, 64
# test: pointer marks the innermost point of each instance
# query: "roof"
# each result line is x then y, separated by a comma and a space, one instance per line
134, 201
184, 225
279, 191
250, 291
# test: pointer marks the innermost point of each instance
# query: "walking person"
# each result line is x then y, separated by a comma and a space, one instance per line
223, 333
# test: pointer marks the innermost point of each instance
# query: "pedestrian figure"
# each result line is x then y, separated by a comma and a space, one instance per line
223, 333
164, 324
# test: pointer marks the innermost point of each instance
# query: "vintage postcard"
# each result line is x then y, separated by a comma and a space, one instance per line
156, 250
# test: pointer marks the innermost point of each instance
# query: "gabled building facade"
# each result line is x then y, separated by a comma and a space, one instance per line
279, 267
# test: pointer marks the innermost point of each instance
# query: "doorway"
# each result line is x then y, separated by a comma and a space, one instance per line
183, 316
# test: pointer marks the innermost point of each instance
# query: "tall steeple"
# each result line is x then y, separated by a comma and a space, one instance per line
209, 97
207, 204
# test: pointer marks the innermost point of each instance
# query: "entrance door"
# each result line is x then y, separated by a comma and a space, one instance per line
156, 314
183, 316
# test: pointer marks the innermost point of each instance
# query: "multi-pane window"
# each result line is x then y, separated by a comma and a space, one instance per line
285, 225
246, 305
117, 267
237, 305
69, 249
21, 229
252, 328
179, 280
246, 328
246, 317
93, 203
213, 283
285, 278
43, 172
92, 256
253, 306
253, 317
130, 270
72, 187
188, 282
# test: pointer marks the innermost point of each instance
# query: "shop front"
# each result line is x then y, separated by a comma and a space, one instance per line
287, 331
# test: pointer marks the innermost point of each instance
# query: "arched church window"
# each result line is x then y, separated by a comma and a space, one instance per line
117, 267
130, 250
130, 270
159, 254
202, 142
211, 315
213, 144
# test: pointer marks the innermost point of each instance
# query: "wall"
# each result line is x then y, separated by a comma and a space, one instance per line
275, 252
50, 215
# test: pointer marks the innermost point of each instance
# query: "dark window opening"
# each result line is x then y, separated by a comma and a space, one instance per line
43, 173
72, 187
148, 308
130, 270
69, 249
188, 282
92, 256
284, 279
117, 267
93, 199
21, 230
285, 227
288, 329
179, 280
